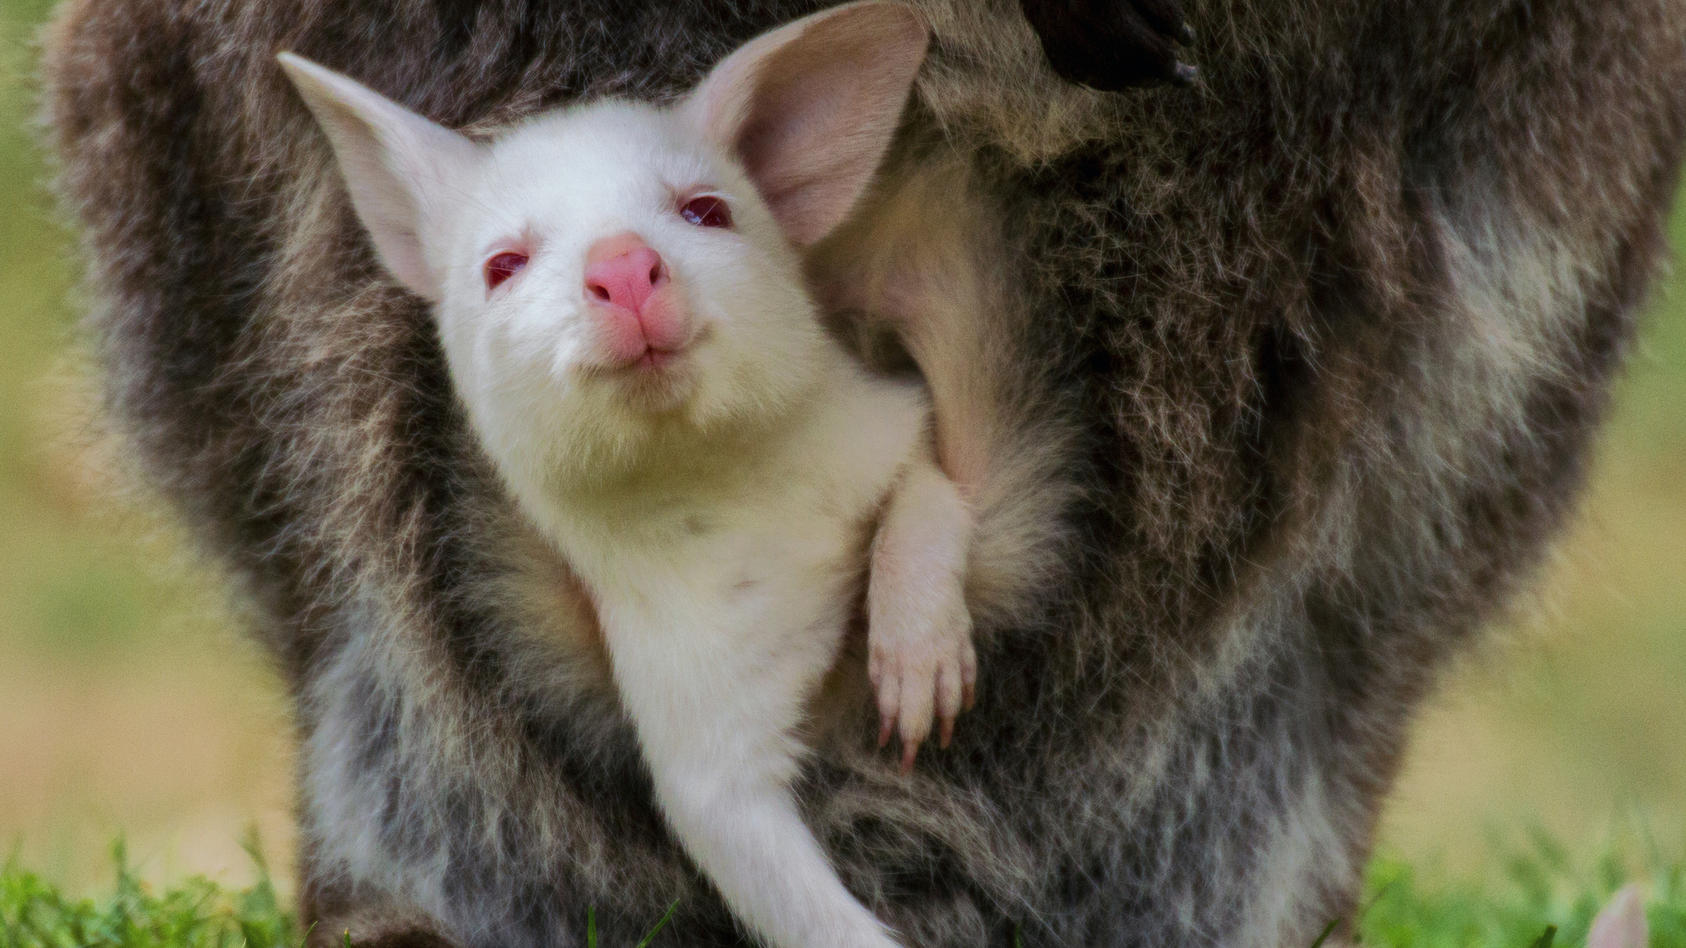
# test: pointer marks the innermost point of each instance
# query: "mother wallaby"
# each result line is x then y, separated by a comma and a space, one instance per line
1316, 346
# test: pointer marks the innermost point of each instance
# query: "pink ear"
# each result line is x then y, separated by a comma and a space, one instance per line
810, 108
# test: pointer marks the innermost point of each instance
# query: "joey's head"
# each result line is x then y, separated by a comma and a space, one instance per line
609, 272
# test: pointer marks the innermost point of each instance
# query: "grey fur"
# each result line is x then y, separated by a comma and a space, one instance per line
1334, 328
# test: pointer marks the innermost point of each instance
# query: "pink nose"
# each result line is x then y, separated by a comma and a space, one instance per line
623, 271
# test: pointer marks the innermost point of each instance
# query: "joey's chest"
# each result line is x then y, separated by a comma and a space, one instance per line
762, 551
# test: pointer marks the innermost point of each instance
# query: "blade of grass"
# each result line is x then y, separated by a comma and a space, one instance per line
659, 925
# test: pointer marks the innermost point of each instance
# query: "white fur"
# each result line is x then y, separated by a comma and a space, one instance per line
716, 511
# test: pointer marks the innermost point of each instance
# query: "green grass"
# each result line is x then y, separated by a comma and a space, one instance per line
1543, 898
1540, 889
192, 913
195, 912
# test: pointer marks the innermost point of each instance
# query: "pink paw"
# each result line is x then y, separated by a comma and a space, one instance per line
924, 673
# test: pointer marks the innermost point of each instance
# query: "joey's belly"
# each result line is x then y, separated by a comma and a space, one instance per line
777, 606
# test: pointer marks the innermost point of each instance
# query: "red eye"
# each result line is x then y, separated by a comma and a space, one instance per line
502, 266
706, 211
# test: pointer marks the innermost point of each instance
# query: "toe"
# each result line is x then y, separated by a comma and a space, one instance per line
949, 698
889, 707
918, 703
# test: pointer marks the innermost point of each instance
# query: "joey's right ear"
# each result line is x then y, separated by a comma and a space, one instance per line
402, 170
810, 108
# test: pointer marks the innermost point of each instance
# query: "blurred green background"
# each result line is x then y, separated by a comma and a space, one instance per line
129, 703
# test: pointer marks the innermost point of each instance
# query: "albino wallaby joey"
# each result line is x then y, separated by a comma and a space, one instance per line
618, 288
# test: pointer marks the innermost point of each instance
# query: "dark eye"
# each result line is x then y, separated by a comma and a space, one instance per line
502, 266
706, 211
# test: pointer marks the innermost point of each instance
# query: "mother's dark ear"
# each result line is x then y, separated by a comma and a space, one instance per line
1112, 44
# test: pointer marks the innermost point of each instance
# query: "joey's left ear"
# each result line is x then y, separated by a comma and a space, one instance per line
810, 108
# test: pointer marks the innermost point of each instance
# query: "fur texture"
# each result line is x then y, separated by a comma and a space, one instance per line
1325, 339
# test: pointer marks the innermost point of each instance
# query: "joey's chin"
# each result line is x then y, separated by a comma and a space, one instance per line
656, 381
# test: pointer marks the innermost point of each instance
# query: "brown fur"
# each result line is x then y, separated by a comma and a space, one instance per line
1318, 346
